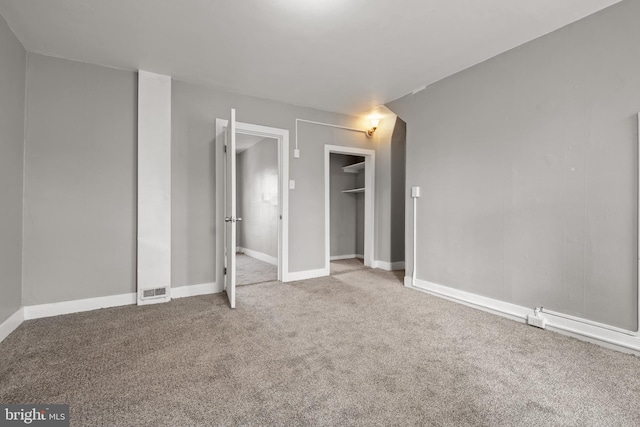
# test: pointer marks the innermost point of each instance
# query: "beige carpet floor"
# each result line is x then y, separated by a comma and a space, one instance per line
250, 270
346, 266
356, 348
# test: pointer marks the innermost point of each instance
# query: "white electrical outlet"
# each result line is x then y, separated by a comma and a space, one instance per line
292, 184
415, 192
538, 322
296, 153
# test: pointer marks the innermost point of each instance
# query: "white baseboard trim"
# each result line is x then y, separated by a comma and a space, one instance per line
307, 274
11, 324
154, 300
77, 306
586, 332
88, 304
259, 256
351, 256
194, 290
389, 266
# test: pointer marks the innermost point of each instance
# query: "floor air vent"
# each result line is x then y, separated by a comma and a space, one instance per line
154, 293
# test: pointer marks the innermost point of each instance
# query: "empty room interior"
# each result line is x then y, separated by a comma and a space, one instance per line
319, 212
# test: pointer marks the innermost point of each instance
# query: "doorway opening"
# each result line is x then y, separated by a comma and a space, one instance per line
346, 196
257, 204
349, 208
227, 218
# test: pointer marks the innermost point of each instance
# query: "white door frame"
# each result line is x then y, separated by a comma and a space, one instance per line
369, 200
282, 136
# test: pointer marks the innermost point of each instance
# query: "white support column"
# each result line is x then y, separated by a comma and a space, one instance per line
154, 188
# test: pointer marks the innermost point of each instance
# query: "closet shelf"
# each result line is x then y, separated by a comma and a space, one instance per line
354, 168
354, 190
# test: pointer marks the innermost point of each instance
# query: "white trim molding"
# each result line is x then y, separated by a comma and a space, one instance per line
586, 332
11, 324
388, 266
77, 306
259, 256
89, 304
350, 256
282, 135
307, 274
195, 290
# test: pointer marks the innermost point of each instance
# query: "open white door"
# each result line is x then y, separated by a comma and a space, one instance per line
230, 211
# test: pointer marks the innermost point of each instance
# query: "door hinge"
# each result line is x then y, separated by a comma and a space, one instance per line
225, 148
225, 270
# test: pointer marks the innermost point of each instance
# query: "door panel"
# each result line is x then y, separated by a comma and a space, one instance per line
230, 211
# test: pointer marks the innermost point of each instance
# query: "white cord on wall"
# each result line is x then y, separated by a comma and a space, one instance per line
324, 124
415, 194
415, 240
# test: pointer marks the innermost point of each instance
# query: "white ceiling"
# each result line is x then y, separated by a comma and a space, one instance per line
337, 55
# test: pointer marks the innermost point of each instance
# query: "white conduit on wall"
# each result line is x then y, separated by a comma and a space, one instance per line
324, 124
415, 240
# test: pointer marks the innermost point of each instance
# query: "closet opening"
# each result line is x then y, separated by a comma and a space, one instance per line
349, 208
347, 212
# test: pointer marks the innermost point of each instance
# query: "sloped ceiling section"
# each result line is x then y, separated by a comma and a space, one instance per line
338, 55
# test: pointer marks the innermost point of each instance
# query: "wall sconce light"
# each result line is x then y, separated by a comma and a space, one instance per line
374, 126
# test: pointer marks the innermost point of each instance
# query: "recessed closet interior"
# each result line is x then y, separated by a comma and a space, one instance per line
347, 189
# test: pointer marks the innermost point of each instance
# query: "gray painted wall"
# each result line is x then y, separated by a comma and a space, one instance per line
398, 189
80, 199
257, 197
390, 172
80, 180
12, 90
192, 189
343, 206
527, 164
194, 110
